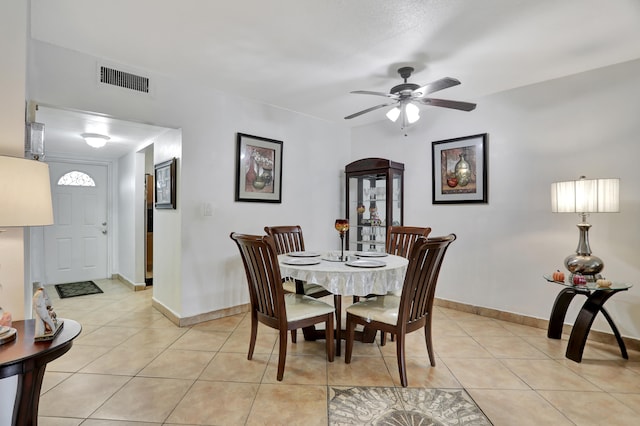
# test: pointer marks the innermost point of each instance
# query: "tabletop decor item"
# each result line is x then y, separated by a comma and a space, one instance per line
7, 333
258, 169
584, 196
558, 276
460, 170
342, 226
579, 279
47, 324
5, 318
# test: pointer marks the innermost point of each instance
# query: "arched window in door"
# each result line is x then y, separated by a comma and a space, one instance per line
76, 178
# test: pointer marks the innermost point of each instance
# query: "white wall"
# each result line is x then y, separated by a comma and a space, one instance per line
168, 286
209, 271
130, 187
558, 130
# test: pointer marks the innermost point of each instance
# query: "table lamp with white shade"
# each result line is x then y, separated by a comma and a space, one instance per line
584, 196
25, 192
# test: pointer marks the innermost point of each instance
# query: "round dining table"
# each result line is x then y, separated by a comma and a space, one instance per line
359, 274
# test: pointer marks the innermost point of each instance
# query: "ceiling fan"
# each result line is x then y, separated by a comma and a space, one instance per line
408, 95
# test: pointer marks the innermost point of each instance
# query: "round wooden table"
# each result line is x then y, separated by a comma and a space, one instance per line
28, 360
341, 279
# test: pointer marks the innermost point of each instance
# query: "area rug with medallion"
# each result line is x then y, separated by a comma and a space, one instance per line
81, 288
403, 407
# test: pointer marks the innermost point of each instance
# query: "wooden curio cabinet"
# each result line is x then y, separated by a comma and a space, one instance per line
375, 200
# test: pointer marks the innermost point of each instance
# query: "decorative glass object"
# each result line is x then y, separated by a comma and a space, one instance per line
342, 226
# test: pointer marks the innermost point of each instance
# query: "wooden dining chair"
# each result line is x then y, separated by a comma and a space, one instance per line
400, 239
289, 238
269, 303
408, 312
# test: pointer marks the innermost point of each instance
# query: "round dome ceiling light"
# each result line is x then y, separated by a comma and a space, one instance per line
95, 140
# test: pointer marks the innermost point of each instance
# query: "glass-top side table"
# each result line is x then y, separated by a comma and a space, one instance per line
596, 298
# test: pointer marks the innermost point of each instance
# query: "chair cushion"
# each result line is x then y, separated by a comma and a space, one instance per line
289, 286
380, 308
300, 307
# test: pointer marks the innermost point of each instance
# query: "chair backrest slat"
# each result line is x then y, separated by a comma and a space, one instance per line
263, 274
287, 239
400, 239
421, 278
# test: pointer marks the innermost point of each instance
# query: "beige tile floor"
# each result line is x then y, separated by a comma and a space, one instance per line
132, 366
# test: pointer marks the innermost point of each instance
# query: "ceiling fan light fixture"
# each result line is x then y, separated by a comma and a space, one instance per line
408, 113
405, 94
393, 114
412, 112
95, 140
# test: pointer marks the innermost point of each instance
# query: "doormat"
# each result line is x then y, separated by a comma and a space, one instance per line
403, 406
81, 288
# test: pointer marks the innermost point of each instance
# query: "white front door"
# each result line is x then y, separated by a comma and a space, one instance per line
76, 244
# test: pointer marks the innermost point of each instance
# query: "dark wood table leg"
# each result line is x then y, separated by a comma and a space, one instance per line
337, 301
623, 348
559, 311
29, 386
369, 335
312, 334
582, 326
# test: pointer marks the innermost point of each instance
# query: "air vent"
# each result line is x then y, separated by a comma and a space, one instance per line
124, 79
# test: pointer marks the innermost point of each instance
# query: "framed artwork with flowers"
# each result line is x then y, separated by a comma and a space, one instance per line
460, 170
258, 169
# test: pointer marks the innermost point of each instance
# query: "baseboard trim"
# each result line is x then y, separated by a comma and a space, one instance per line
597, 336
133, 286
196, 319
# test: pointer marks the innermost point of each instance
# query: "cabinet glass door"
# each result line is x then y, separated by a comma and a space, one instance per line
374, 202
396, 200
369, 203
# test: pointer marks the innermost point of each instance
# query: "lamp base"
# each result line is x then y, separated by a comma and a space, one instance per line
588, 266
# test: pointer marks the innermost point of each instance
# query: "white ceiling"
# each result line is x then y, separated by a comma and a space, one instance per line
63, 129
307, 55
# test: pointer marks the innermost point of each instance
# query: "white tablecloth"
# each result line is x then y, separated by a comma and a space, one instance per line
341, 279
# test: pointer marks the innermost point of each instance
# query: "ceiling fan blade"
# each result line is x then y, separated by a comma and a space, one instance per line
464, 106
369, 92
368, 110
434, 86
